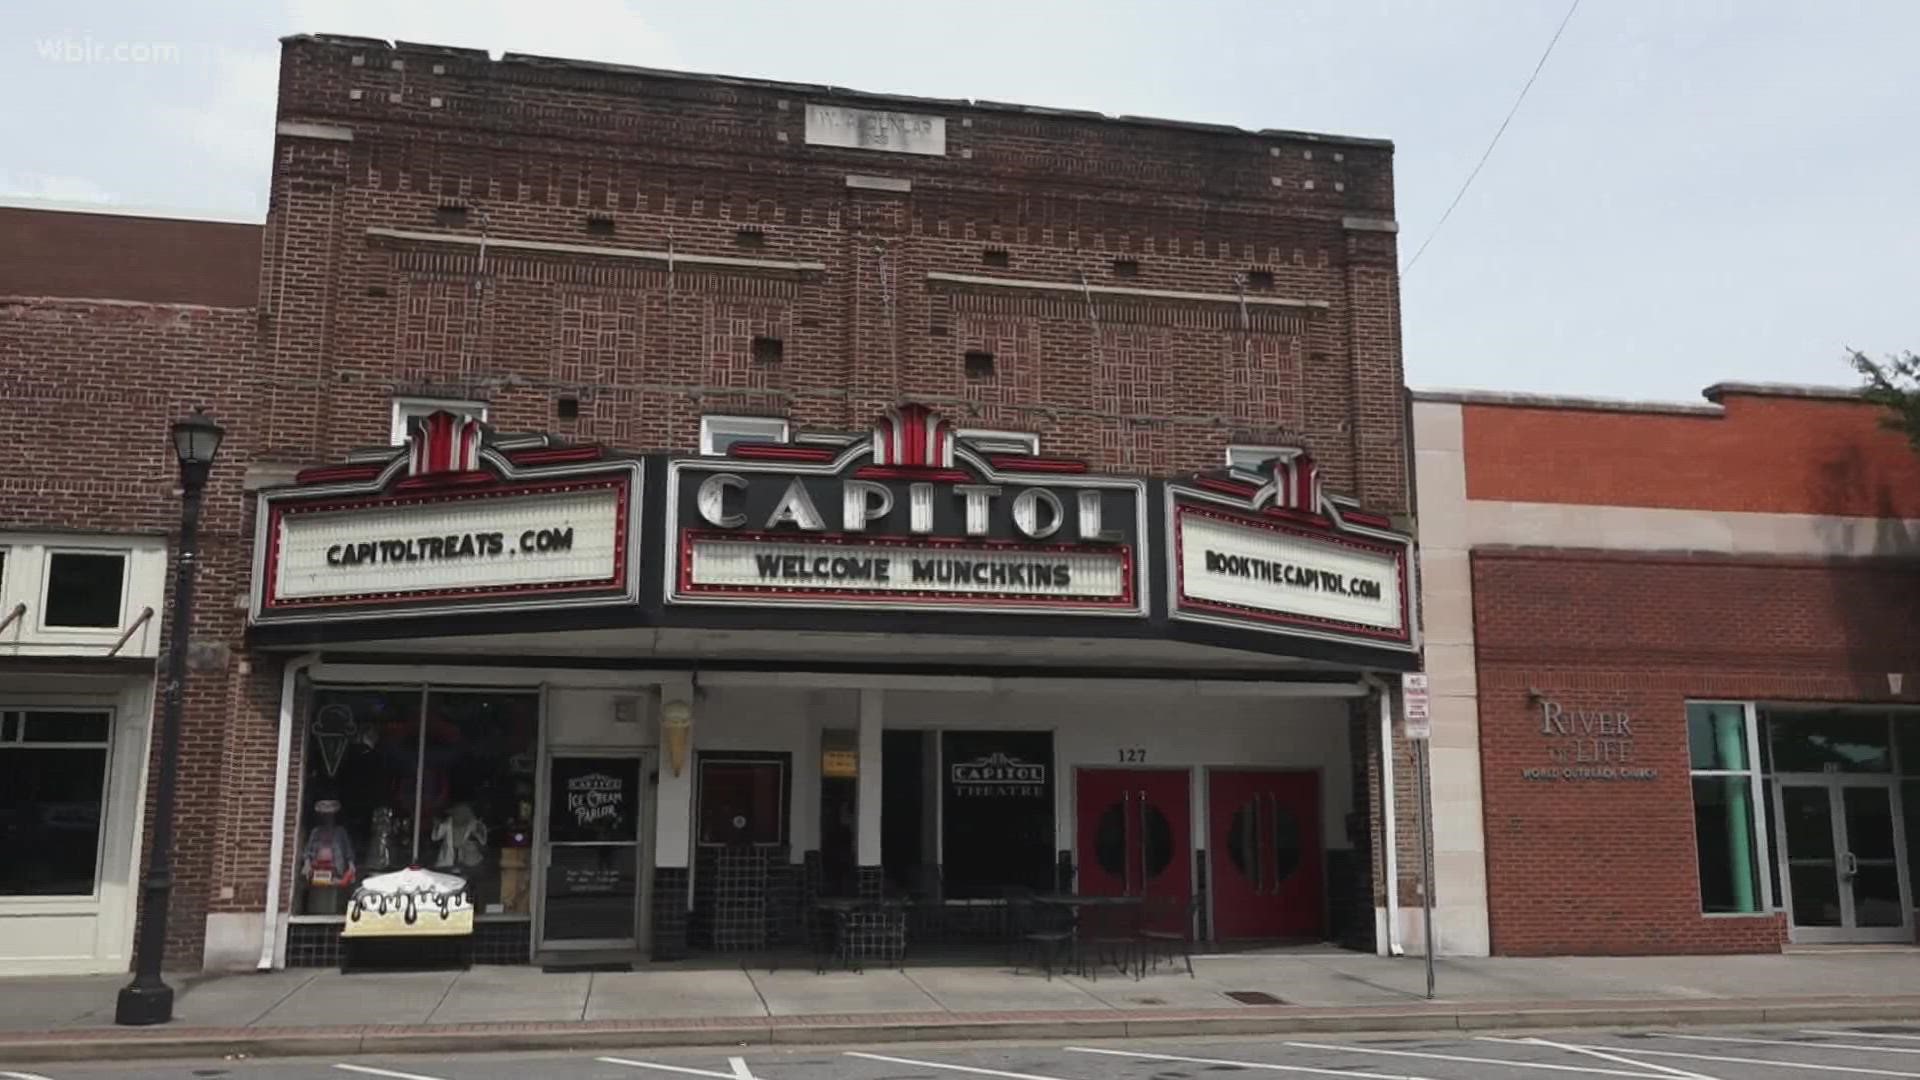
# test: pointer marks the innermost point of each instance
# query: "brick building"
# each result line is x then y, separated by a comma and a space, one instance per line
1672, 649
664, 501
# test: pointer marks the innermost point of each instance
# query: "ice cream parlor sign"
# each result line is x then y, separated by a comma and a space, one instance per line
595, 797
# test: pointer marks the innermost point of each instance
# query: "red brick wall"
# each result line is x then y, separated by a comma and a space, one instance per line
117, 257
1596, 867
1783, 454
87, 391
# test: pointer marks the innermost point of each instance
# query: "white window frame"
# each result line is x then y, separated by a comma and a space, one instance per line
1001, 441
46, 586
406, 408
1249, 456
1756, 796
106, 790
716, 426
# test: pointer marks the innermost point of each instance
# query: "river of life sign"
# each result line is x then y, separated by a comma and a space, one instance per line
1585, 745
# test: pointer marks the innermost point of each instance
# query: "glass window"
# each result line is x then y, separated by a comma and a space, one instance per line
388, 785
1726, 830
743, 800
1723, 833
1717, 736
1906, 742
83, 588
52, 801
717, 433
989, 441
1829, 741
407, 410
1773, 839
1255, 458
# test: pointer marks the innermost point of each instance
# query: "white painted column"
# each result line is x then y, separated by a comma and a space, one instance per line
673, 814
872, 708
1460, 916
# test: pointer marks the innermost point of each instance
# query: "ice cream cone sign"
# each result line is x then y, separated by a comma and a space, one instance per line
676, 730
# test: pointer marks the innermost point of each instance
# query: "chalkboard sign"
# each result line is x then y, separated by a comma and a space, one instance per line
997, 819
594, 800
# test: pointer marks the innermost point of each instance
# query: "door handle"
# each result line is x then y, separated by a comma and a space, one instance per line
1850, 865
1141, 844
1252, 848
1126, 853
1270, 828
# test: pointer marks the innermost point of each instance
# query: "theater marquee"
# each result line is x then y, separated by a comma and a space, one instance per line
456, 520
1270, 550
911, 517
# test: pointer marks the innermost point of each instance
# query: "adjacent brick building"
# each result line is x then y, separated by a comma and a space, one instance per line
661, 263
1738, 580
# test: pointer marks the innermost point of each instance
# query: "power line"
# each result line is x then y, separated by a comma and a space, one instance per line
1495, 141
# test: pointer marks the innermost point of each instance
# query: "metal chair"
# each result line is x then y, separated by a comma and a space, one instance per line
1111, 933
1044, 932
1156, 939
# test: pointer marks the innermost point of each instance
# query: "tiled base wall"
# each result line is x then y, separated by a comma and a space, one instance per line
669, 909
318, 945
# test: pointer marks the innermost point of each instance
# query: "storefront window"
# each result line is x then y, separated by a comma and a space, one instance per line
53, 782
1829, 741
384, 791
743, 799
1726, 831
1906, 736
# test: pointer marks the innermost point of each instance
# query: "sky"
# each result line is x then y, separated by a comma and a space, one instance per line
1693, 191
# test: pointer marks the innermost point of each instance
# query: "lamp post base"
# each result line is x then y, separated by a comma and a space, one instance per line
141, 1006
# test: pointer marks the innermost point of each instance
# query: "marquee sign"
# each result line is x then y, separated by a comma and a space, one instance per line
910, 516
1272, 551
457, 519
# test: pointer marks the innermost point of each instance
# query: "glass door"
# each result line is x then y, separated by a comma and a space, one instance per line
1844, 876
592, 861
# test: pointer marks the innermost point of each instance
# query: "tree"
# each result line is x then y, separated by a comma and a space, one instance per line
1895, 384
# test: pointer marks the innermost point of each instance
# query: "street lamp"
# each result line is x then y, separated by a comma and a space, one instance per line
148, 999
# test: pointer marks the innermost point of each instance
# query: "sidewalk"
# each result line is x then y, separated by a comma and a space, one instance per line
323, 1011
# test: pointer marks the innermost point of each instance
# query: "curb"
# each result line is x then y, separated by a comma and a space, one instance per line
798, 1031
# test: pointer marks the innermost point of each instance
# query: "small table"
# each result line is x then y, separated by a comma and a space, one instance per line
864, 929
1077, 903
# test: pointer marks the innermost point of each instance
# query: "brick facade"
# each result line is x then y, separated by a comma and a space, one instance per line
433, 225
1761, 451
1609, 868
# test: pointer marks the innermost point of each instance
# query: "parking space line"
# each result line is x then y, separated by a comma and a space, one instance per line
973, 1069
1764, 1062
371, 1071
684, 1070
1237, 1064
1570, 1048
1791, 1042
1591, 1070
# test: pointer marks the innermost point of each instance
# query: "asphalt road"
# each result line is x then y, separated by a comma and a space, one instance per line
1757, 1053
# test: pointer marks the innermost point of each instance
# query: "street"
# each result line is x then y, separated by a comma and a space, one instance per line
1748, 1053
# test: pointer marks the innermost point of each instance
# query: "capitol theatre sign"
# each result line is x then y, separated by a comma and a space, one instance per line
909, 516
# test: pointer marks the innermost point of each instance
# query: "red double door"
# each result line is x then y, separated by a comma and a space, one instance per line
1263, 832
1136, 836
